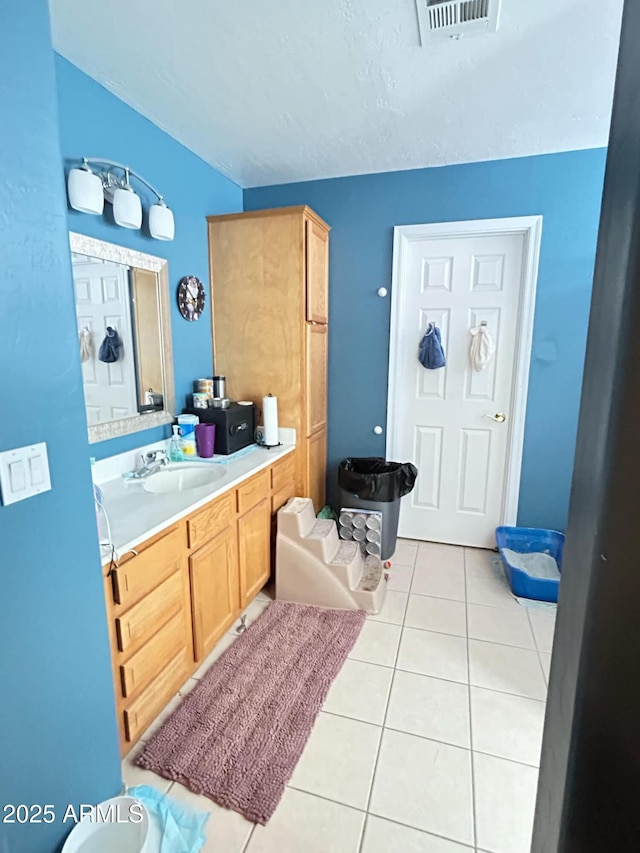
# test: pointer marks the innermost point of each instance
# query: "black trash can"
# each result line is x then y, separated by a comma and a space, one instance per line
373, 483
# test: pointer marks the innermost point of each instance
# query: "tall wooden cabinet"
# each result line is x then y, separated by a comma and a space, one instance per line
269, 275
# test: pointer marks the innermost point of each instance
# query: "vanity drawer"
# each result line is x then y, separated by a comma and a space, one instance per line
253, 491
211, 520
280, 498
139, 574
283, 474
147, 616
141, 668
141, 713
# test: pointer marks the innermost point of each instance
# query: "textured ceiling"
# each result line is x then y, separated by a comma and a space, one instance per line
288, 90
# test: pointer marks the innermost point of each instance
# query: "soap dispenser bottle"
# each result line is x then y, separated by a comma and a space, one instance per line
175, 445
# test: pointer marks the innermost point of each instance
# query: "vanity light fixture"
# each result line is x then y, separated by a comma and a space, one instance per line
85, 190
127, 207
161, 223
111, 181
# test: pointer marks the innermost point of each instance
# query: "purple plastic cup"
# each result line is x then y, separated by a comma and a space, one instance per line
205, 440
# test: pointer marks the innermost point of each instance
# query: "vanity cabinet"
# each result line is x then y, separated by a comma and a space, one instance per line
269, 280
171, 599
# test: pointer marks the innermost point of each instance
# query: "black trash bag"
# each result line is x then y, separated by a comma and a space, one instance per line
374, 479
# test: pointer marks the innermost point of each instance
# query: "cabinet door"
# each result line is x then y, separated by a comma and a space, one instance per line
317, 269
254, 530
214, 590
317, 468
316, 380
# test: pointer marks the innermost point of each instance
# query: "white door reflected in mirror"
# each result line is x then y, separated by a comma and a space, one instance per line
103, 300
129, 386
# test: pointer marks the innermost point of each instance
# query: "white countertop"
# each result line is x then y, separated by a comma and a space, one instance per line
136, 514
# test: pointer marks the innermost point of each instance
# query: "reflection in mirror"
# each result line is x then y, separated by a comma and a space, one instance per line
119, 338
124, 337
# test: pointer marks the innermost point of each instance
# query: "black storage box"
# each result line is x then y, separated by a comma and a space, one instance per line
235, 426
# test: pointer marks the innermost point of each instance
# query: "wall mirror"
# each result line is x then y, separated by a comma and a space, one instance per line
124, 337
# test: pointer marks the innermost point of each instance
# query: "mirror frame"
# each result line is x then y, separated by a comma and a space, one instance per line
83, 245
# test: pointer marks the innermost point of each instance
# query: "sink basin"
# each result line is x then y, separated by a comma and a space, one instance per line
180, 478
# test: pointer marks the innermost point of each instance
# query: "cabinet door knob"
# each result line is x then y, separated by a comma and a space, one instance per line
377, 430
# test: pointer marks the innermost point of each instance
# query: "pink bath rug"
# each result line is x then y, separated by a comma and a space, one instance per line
237, 737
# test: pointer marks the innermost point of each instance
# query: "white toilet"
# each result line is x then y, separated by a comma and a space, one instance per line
113, 825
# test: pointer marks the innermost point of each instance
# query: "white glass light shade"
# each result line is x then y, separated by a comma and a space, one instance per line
85, 191
161, 222
127, 208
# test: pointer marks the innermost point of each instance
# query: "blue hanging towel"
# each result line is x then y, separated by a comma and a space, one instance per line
431, 354
110, 347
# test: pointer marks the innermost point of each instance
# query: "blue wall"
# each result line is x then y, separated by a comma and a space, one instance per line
362, 210
95, 123
58, 738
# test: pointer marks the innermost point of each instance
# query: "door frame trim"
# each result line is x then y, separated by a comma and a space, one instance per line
531, 228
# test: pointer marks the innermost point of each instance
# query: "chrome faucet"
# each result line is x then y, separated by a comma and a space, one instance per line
152, 461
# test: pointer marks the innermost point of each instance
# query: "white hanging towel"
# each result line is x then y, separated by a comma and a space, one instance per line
482, 347
86, 344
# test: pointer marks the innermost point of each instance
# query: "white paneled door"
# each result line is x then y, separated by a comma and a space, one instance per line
461, 427
102, 299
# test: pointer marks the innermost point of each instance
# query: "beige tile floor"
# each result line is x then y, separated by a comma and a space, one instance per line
429, 741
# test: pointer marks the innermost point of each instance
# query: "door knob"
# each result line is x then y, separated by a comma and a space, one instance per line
499, 417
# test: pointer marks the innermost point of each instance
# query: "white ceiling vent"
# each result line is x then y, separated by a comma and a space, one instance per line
441, 20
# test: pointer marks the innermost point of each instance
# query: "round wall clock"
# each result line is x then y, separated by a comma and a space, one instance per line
191, 297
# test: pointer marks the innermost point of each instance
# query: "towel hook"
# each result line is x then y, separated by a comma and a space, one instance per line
483, 322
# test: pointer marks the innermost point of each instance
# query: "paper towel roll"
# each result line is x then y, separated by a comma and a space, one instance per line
270, 412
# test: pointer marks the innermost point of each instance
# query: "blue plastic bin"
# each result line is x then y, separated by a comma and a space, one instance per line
527, 540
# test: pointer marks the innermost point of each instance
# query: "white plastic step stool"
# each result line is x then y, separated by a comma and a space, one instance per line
314, 566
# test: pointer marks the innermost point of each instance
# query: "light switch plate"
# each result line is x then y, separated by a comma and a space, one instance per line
24, 472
